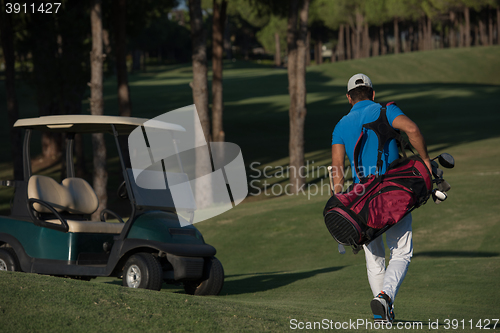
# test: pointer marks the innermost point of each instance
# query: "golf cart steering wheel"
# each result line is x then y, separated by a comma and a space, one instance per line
110, 212
122, 191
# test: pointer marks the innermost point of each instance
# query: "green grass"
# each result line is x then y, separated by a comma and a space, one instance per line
279, 260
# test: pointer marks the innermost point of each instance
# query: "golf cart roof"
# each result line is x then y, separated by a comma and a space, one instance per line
92, 124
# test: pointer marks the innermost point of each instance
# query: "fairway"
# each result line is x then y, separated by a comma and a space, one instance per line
280, 262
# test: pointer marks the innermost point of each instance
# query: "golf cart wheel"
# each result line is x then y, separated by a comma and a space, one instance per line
212, 281
8, 260
143, 270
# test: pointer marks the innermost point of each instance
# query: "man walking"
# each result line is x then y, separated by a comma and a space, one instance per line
384, 282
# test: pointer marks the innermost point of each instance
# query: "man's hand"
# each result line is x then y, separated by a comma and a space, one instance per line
405, 124
428, 164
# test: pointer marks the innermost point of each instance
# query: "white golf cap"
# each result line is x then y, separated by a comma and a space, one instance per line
359, 80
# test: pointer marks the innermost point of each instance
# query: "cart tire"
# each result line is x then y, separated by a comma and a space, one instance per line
212, 281
8, 260
143, 270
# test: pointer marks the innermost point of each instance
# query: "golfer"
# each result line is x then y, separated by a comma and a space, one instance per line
384, 282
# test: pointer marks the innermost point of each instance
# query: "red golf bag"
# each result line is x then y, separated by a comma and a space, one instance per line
378, 201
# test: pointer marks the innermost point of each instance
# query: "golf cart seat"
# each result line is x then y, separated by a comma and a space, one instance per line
74, 196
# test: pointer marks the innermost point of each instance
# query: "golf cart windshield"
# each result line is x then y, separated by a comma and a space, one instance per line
179, 170
152, 189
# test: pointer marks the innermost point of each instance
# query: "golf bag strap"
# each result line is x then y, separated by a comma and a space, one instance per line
384, 132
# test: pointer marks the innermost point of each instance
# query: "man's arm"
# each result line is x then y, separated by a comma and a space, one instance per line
411, 129
338, 158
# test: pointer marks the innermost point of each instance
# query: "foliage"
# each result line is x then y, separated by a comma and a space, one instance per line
266, 35
163, 33
377, 12
333, 13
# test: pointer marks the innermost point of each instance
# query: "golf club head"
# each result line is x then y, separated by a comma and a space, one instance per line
446, 160
341, 249
439, 173
438, 196
436, 172
444, 186
434, 166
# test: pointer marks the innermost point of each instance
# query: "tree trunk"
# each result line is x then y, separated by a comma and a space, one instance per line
375, 47
319, 54
308, 49
136, 60
396, 36
467, 27
476, 35
410, 38
315, 51
383, 49
421, 34
298, 113
425, 41
219, 19
277, 50
296, 145
490, 27
341, 47
358, 46
203, 188
498, 25
333, 58
7, 39
482, 33
430, 42
106, 41
97, 106
353, 43
452, 34
461, 35
124, 104
291, 39
482, 28
348, 42
441, 39
366, 40
200, 85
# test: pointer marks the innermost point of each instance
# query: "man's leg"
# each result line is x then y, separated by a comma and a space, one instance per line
399, 241
375, 264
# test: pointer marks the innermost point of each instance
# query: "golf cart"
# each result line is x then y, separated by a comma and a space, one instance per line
50, 231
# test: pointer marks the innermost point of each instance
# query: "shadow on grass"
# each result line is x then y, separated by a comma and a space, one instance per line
467, 254
266, 281
253, 282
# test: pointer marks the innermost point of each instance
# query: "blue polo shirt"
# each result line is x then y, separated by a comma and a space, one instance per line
349, 128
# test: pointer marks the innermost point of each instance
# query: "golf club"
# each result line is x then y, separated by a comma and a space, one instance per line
330, 175
438, 196
446, 160
443, 185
